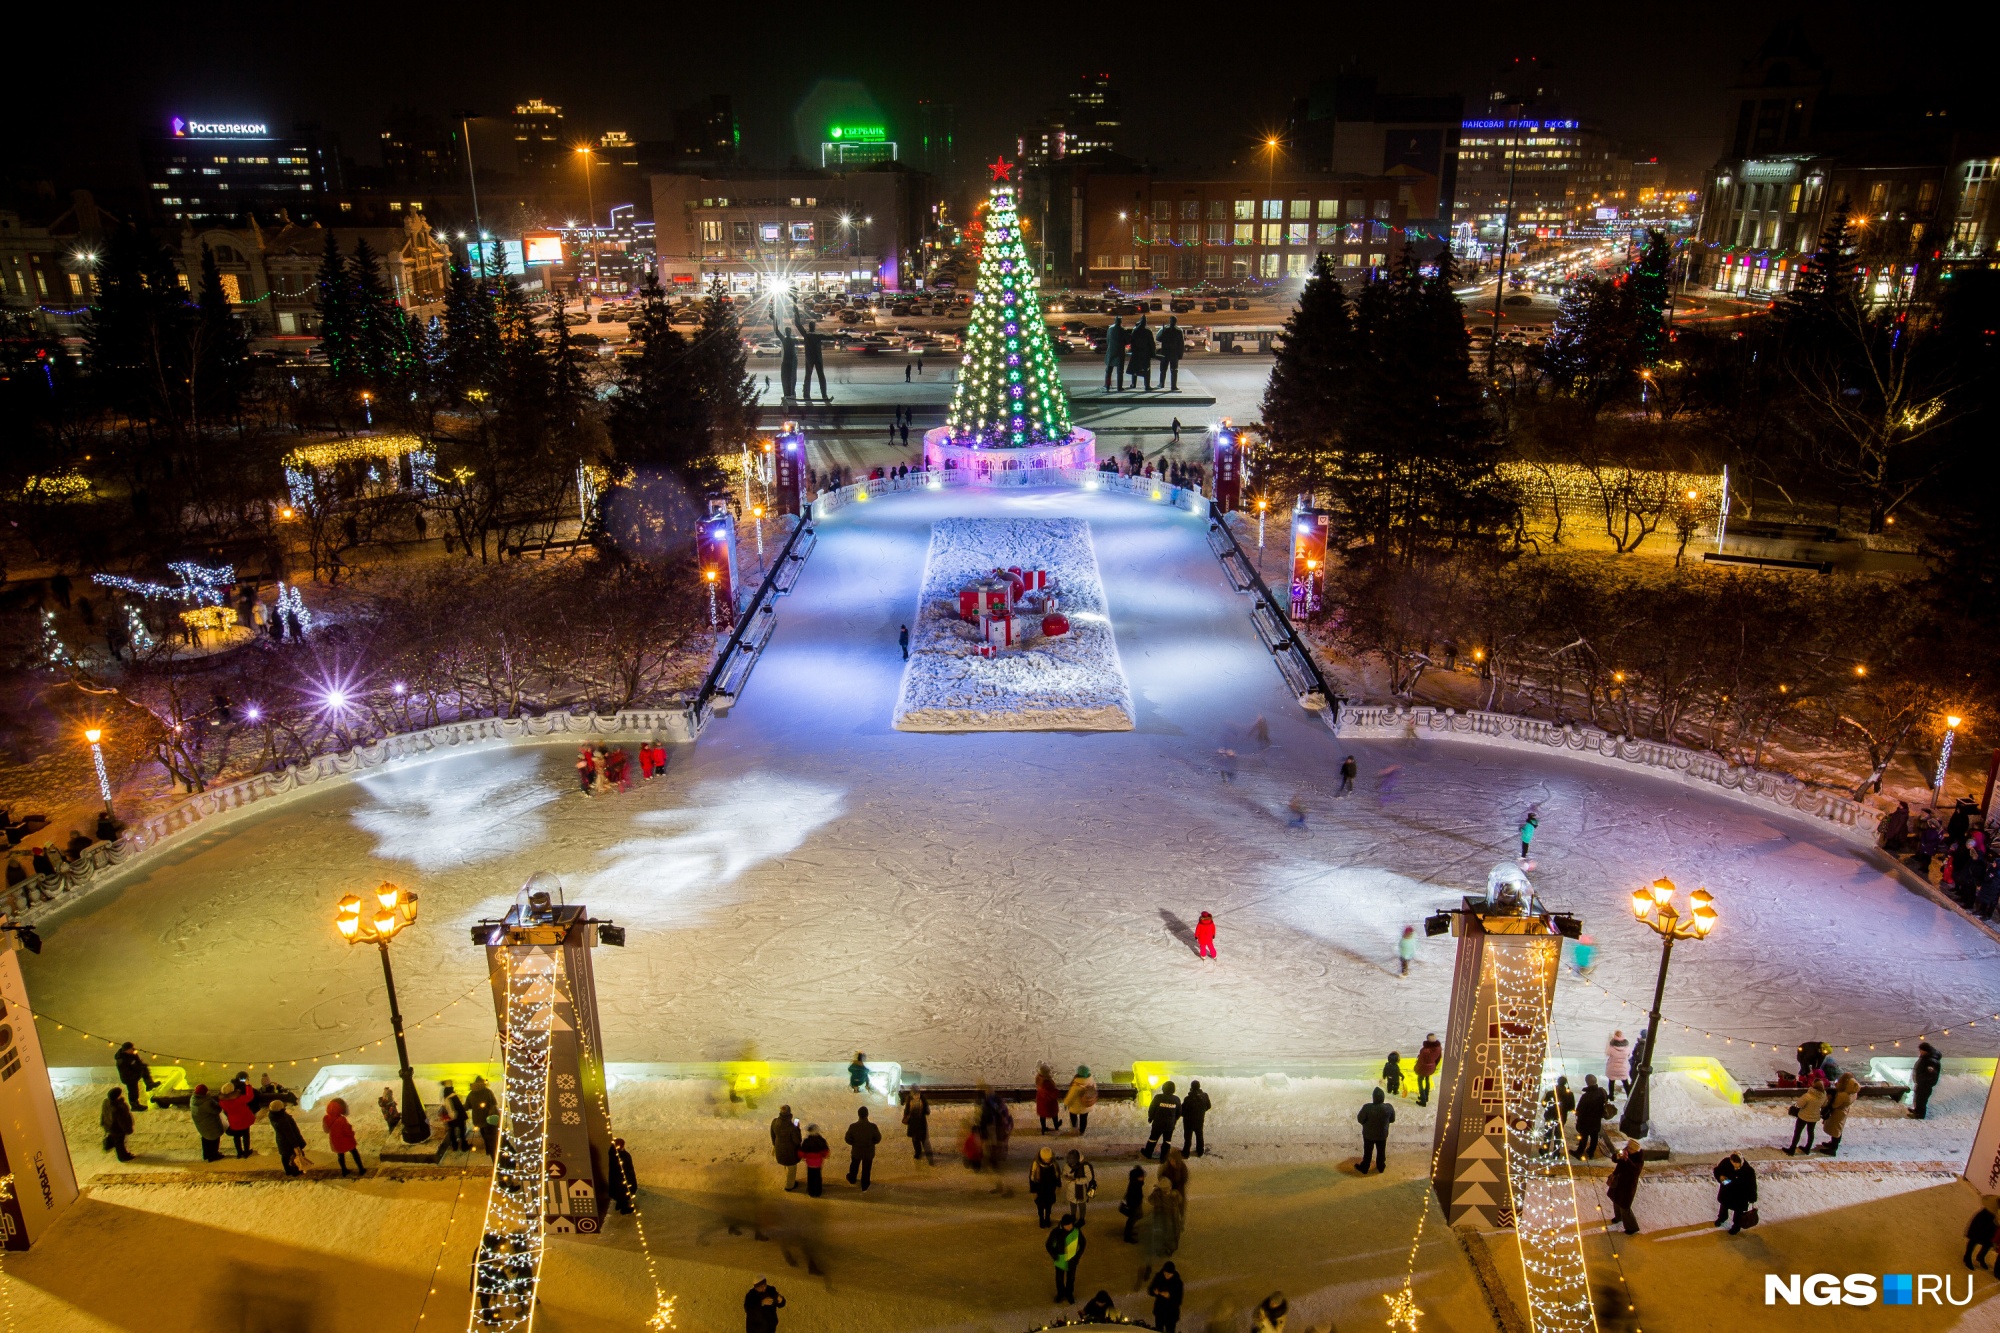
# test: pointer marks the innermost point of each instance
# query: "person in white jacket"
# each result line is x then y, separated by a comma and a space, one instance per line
1617, 1063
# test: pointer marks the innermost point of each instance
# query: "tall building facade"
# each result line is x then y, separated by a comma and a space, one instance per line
203, 169
1089, 121
1525, 154
539, 150
856, 230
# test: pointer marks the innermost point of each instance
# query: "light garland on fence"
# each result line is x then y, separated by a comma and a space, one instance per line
361, 449
184, 1061
1547, 1228
1894, 1043
198, 583
1011, 393
57, 487
509, 1262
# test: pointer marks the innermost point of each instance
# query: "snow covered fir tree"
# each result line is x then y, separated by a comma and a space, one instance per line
1010, 410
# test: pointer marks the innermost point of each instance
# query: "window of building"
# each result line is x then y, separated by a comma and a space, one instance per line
1188, 265
1296, 233
796, 202
1355, 207
1329, 232
1190, 211
1246, 233
1380, 208
1273, 209
1163, 210
1211, 266
1377, 260
395, 207
802, 233
1217, 208
1350, 260
1239, 268
1246, 209
1329, 208
711, 231
76, 284
1792, 200
1267, 266
1926, 197
1190, 233
770, 233
1218, 233
1295, 265
1878, 197
232, 288
1274, 233
1405, 195
1302, 208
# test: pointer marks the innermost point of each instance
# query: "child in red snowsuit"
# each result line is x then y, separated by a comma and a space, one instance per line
1204, 936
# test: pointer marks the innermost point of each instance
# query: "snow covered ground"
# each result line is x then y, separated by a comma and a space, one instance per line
808, 880
1070, 681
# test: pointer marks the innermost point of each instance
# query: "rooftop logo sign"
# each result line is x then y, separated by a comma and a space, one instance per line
203, 129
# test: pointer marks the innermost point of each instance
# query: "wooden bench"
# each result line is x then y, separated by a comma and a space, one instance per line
942, 1094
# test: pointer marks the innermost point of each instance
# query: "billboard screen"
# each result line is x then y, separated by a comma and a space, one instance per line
543, 247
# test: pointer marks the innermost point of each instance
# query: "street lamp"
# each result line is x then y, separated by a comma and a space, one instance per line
377, 923
94, 735
590, 198
1951, 723
1654, 908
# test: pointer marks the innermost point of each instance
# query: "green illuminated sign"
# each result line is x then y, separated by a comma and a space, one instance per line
861, 133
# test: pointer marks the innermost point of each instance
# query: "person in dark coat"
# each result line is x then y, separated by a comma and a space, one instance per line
132, 1071
785, 1141
1623, 1186
116, 1118
1133, 1205
1114, 353
1923, 1078
1375, 1118
291, 1140
1979, 1233
1173, 344
1167, 1292
862, 1136
813, 1151
624, 1185
1736, 1191
1141, 350
857, 1072
1812, 1054
1065, 1245
452, 1111
903, 641
1428, 1057
1591, 1109
206, 1112
1097, 1308
1895, 827
1194, 1115
760, 1307
1392, 1073
917, 1124
1160, 1117
1045, 1177
482, 1108
392, 1111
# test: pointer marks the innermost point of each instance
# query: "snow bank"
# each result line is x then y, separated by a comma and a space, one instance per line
1071, 682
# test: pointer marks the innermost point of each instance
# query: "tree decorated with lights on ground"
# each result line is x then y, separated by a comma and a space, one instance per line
1010, 394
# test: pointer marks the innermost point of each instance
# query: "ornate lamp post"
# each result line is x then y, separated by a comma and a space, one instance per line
1654, 907
94, 735
377, 924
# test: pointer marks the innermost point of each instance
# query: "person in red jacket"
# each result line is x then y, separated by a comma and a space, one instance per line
1204, 936
1428, 1057
1048, 1101
238, 1114
340, 1136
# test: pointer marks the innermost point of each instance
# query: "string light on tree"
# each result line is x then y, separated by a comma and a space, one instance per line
509, 1262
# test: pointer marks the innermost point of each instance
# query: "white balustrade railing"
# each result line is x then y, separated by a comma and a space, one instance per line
1146, 488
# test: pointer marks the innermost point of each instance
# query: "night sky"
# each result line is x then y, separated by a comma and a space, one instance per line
1199, 82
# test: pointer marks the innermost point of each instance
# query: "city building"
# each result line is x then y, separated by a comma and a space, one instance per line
1555, 168
539, 150
856, 230
48, 261
1914, 177
1109, 222
1087, 122
847, 147
706, 138
937, 140
270, 273
1347, 126
422, 154
207, 169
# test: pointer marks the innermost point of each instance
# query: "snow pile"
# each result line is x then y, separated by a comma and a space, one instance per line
1069, 682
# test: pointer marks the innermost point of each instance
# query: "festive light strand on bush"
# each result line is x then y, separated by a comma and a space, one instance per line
163, 1057
1728, 1039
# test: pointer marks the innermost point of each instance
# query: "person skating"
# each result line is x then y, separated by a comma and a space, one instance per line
1204, 936
1429, 1056
392, 1112
1347, 772
116, 1118
917, 1124
1923, 1078
1044, 1183
1845, 1092
1160, 1117
1406, 950
1529, 827
1133, 1205
1098, 1309
785, 1145
857, 1073
1806, 1113
623, 1188
1048, 1101
1194, 1116
239, 1113
206, 1112
1375, 1118
760, 1307
1065, 1246
339, 1132
1979, 1232
1591, 1108
1623, 1187
861, 1137
1736, 1193
1269, 1316
291, 1140
1392, 1074
813, 1151
1618, 1062
1079, 1185
903, 641
1082, 1095
1167, 1291
132, 1072
482, 1108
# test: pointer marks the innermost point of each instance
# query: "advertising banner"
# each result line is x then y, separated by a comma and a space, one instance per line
33, 1149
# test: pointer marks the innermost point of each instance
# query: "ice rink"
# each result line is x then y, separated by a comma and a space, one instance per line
809, 881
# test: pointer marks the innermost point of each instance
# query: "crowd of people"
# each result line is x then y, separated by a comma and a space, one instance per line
601, 771
1950, 853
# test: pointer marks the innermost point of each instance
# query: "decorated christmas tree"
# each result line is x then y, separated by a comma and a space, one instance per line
1010, 394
